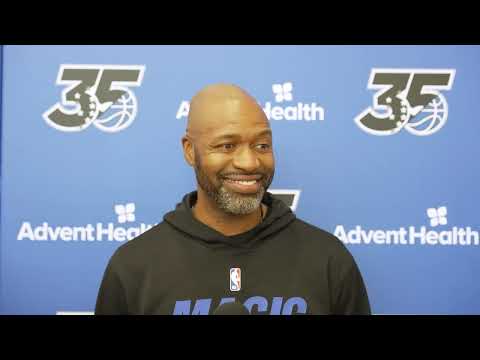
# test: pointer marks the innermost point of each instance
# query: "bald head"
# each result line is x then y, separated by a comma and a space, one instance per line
218, 105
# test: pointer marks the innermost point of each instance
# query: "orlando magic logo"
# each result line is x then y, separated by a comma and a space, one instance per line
96, 94
407, 99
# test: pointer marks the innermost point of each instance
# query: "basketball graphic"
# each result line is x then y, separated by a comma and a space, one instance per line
430, 119
119, 115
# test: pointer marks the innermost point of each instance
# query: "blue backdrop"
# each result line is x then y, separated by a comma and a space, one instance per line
404, 203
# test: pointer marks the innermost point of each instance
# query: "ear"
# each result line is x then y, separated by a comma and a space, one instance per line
188, 150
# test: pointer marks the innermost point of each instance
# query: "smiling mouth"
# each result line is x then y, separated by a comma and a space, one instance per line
241, 177
243, 184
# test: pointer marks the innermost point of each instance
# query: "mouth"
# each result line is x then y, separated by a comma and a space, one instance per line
243, 184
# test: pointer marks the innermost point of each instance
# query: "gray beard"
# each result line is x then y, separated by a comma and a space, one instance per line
237, 204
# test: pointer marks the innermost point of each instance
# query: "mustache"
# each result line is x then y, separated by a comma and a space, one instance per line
234, 174
258, 175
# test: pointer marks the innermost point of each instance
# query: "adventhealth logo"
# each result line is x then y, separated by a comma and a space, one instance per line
282, 109
283, 92
125, 212
99, 232
299, 111
437, 217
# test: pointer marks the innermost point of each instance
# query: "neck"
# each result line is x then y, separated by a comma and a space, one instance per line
206, 211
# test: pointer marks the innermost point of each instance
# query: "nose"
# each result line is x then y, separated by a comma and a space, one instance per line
246, 159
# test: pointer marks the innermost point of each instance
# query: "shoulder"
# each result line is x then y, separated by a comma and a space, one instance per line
321, 241
143, 246
333, 256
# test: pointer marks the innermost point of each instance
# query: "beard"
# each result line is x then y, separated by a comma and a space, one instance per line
229, 201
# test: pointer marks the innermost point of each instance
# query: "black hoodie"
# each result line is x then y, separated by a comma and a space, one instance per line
182, 266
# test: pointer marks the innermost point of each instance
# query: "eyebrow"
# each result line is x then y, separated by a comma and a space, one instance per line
267, 132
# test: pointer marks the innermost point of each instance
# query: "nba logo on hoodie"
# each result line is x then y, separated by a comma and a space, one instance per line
235, 279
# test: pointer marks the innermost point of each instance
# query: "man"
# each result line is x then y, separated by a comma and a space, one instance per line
231, 241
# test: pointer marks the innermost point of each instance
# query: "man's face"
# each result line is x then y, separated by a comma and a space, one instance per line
234, 162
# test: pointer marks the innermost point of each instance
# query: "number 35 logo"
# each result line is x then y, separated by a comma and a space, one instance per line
407, 98
95, 94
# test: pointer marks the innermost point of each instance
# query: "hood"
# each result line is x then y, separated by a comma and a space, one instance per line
279, 216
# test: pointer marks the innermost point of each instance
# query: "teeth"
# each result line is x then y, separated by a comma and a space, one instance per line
244, 182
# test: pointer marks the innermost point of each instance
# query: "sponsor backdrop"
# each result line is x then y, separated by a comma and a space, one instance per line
376, 144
